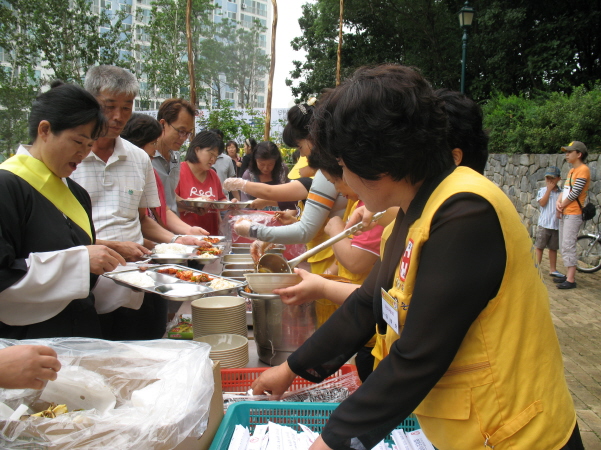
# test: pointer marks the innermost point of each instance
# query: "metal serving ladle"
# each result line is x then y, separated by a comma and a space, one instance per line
275, 263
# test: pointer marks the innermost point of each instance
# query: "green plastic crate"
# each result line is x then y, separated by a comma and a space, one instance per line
313, 415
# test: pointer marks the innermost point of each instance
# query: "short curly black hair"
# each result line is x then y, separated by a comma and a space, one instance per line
384, 121
465, 128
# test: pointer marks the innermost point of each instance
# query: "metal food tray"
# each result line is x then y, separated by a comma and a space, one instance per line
180, 258
204, 204
172, 288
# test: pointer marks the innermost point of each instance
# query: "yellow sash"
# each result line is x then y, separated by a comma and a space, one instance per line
35, 172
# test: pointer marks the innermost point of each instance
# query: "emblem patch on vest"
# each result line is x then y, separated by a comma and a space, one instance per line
405, 260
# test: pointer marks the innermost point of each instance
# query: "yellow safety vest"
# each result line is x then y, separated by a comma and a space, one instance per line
505, 387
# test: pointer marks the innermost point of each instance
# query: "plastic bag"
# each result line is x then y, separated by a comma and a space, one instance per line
261, 218
170, 382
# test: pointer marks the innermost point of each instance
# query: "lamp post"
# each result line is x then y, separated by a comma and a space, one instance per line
466, 15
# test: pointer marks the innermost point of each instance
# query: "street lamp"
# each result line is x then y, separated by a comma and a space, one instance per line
466, 15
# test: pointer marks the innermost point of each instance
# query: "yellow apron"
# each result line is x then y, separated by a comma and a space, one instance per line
489, 396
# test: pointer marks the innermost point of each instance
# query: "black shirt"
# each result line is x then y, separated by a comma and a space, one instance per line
461, 269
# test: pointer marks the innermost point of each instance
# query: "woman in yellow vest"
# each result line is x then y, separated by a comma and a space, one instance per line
48, 262
465, 337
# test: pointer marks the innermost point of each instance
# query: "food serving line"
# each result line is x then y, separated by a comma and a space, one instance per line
117, 386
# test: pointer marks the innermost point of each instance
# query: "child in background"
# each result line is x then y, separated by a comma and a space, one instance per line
547, 234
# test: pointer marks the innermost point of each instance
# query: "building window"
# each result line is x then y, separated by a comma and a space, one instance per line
143, 15
105, 4
229, 96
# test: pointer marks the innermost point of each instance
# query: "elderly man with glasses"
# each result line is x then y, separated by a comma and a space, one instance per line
176, 115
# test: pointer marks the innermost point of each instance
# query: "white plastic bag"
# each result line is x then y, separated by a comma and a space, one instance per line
172, 380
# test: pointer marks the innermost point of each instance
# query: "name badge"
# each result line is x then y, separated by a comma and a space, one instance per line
390, 310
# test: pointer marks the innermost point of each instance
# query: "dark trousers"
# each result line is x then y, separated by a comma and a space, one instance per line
575, 442
147, 323
78, 319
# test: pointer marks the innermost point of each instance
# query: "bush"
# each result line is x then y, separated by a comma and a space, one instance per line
542, 125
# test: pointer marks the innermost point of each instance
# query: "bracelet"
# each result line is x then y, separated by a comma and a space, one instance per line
174, 238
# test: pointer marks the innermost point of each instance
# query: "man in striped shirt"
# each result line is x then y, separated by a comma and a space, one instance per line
569, 204
547, 234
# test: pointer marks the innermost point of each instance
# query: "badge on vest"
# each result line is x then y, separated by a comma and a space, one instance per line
390, 310
406, 260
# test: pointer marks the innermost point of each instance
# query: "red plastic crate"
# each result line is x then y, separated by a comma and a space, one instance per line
240, 380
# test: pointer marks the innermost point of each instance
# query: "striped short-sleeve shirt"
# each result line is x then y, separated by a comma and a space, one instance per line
548, 214
118, 188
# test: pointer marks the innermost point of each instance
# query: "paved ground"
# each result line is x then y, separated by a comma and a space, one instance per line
577, 318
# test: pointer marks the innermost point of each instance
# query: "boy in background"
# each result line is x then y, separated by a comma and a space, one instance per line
547, 234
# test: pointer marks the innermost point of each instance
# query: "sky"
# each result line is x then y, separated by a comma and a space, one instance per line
289, 11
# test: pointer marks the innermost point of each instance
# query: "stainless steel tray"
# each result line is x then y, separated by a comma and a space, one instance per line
210, 204
244, 249
190, 254
168, 286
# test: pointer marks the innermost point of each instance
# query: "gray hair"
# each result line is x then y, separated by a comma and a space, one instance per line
111, 78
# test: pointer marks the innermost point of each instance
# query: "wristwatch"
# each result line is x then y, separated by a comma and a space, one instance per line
252, 232
174, 238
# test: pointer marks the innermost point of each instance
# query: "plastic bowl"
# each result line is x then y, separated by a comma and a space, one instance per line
223, 342
265, 283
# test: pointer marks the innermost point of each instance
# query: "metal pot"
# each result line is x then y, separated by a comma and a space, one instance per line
279, 329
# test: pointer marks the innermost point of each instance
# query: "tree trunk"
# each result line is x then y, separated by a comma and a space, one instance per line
339, 53
190, 58
274, 27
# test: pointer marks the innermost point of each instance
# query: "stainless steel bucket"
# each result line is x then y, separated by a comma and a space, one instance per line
279, 329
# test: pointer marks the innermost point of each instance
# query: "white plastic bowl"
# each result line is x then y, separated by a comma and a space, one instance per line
265, 283
223, 342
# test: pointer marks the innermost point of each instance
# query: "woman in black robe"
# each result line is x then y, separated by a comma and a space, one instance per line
48, 263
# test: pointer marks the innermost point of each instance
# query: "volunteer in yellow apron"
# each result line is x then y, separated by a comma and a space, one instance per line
465, 332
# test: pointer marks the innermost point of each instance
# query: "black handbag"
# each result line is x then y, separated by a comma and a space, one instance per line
589, 211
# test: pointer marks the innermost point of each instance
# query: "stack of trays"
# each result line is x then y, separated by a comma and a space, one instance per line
219, 315
231, 350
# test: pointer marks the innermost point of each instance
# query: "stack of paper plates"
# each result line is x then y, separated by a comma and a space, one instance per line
219, 315
231, 350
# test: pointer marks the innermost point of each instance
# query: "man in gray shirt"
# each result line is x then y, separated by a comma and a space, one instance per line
176, 115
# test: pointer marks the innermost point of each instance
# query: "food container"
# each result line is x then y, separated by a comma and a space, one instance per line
236, 274
228, 259
279, 329
244, 248
240, 266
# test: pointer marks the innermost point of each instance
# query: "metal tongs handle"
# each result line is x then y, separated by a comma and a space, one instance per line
294, 262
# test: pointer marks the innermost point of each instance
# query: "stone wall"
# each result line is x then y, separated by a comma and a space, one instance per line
521, 176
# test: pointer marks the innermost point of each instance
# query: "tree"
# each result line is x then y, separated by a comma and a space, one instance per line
248, 62
375, 32
57, 37
166, 59
515, 46
215, 61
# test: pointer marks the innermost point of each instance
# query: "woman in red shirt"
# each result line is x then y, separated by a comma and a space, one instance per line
197, 180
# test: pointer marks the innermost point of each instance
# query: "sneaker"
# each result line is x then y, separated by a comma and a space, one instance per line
566, 285
560, 280
557, 274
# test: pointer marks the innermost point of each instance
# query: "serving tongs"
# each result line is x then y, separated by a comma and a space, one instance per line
275, 263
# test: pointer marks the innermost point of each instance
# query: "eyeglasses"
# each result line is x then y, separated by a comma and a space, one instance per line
183, 134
